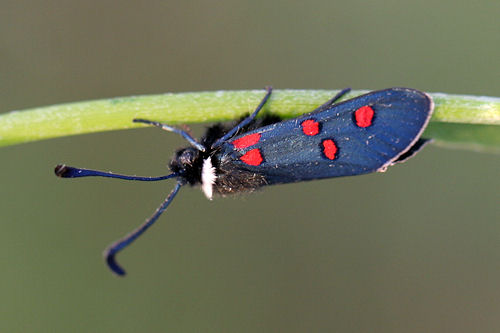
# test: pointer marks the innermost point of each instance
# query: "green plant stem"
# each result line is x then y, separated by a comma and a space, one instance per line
475, 119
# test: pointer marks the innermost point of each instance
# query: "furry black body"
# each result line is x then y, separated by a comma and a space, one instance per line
187, 162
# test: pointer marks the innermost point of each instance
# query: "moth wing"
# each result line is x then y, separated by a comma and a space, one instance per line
358, 136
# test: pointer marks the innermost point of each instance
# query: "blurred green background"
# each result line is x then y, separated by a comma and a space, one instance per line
416, 249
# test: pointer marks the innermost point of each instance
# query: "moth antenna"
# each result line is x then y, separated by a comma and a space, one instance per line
169, 128
65, 171
113, 249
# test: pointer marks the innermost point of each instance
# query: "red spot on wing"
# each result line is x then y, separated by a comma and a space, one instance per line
246, 141
310, 127
329, 149
364, 116
252, 157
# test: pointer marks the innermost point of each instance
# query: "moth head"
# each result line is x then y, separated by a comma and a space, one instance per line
187, 163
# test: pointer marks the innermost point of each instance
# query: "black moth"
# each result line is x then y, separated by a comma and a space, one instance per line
362, 135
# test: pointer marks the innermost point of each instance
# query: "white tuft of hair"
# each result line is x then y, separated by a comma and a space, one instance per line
208, 178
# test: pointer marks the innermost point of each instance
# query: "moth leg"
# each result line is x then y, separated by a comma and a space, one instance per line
332, 101
244, 122
169, 128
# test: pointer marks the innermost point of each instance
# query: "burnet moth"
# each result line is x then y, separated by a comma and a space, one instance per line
361, 135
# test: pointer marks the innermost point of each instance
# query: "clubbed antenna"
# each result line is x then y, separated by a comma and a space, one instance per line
113, 249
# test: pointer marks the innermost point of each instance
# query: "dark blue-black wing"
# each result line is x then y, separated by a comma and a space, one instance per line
361, 135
